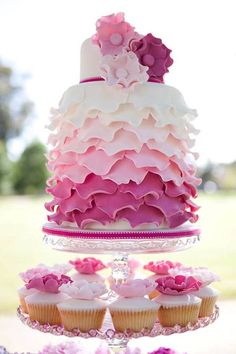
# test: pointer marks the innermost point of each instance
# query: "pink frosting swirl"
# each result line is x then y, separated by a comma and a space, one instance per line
88, 265
202, 274
134, 288
83, 290
161, 267
49, 283
154, 54
178, 285
113, 34
123, 70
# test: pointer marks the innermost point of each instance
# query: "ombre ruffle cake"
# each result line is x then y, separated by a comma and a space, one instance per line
121, 140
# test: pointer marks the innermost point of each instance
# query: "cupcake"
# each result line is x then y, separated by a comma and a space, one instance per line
36, 272
209, 296
39, 271
160, 269
84, 310
87, 269
132, 310
42, 305
177, 304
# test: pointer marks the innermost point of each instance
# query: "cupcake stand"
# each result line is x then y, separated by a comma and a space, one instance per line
120, 244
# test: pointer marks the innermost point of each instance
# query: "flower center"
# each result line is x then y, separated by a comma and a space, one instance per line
116, 38
121, 73
148, 60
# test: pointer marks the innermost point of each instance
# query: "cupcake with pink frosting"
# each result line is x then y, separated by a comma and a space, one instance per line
160, 268
132, 310
42, 305
37, 272
206, 293
87, 269
84, 310
177, 303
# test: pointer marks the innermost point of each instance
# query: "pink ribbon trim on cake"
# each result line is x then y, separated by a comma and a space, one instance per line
99, 78
120, 234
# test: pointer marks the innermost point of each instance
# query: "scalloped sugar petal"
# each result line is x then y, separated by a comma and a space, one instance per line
93, 128
124, 171
58, 217
148, 158
145, 214
62, 189
168, 206
95, 184
91, 215
75, 202
172, 190
75, 173
151, 184
118, 202
180, 218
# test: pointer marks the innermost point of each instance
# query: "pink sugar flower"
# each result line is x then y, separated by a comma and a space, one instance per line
49, 283
123, 70
161, 267
202, 274
39, 271
113, 34
178, 285
88, 265
83, 290
153, 54
134, 288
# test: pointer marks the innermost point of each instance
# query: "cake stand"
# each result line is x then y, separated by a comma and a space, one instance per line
120, 244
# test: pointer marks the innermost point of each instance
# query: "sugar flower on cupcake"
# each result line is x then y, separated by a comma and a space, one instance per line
134, 288
161, 267
83, 290
48, 283
41, 270
203, 274
87, 269
178, 285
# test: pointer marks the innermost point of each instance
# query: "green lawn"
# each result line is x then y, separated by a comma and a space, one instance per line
21, 246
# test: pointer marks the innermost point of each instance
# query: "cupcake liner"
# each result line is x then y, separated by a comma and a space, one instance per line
153, 294
46, 313
181, 315
23, 304
84, 320
207, 306
133, 320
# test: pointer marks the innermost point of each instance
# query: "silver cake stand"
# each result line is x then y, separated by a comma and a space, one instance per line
120, 244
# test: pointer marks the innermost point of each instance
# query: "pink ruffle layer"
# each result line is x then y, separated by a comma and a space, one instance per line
104, 201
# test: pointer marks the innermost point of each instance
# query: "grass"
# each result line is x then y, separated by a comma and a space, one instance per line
21, 243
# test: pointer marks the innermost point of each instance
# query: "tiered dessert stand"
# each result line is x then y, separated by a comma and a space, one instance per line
119, 244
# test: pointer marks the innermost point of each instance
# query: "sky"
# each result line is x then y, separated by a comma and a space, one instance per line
42, 38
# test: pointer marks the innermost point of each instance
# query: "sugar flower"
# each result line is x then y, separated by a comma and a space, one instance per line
88, 265
134, 288
203, 274
178, 285
123, 70
36, 272
153, 54
113, 34
83, 290
49, 283
161, 267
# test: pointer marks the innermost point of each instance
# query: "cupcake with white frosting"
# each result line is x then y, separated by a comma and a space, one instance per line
132, 310
87, 268
207, 294
84, 310
42, 305
177, 303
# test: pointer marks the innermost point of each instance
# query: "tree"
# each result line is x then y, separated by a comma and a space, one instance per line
5, 171
30, 172
14, 106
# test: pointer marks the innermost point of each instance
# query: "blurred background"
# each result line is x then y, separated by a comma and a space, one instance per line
40, 57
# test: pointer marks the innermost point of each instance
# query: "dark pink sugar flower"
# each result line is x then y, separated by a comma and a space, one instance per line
178, 285
153, 54
161, 267
113, 34
88, 265
48, 283
163, 350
